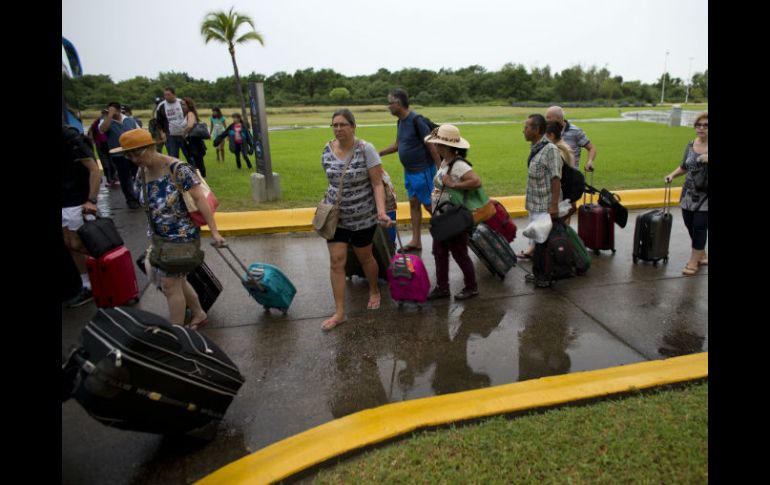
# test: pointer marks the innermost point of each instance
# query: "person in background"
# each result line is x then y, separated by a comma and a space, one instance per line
196, 147
240, 140
168, 215
420, 160
694, 203
172, 122
217, 128
126, 110
362, 206
114, 125
573, 136
103, 149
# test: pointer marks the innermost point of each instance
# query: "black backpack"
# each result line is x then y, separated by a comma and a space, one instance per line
573, 183
430, 124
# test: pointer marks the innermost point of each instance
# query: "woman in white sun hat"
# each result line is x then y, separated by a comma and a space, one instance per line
453, 177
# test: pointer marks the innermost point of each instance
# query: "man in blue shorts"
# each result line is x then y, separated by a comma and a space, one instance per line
420, 159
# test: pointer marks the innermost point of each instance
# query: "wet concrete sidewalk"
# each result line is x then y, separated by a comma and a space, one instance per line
298, 377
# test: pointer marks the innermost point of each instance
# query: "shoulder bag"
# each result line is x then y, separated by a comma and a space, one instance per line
449, 220
327, 215
189, 201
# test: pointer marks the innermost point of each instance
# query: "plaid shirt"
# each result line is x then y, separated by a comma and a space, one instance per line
545, 166
576, 139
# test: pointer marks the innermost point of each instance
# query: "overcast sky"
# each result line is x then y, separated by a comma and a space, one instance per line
629, 37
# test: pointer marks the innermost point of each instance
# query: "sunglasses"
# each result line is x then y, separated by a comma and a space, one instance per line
701, 125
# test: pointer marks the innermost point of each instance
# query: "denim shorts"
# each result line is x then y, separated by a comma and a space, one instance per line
420, 184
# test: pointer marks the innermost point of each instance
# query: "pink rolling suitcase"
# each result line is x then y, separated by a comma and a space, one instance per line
407, 277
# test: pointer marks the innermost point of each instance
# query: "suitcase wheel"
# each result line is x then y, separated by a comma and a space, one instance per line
636, 259
665, 260
285, 311
597, 252
655, 263
267, 309
613, 251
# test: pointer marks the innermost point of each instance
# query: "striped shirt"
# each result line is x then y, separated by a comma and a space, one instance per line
576, 139
544, 167
357, 207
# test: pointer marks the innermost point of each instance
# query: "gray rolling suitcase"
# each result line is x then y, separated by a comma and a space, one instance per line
653, 233
493, 250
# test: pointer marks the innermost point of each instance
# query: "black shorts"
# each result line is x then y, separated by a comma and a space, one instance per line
358, 239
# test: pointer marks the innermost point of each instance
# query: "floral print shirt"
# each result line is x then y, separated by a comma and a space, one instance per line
168, 211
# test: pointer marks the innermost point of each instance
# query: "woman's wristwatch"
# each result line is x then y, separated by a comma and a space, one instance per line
92, 200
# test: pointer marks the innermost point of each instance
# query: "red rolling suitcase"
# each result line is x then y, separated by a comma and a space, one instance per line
596, 225
113, 279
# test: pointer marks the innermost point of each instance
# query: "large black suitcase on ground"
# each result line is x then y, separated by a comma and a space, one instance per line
652, 233
493, 250
134, 370
202, 279
383, 250
99, 236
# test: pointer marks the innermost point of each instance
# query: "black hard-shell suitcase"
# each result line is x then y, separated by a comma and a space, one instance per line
383, 250
99, 236
493, 250
202, 279
137, 371
652, 233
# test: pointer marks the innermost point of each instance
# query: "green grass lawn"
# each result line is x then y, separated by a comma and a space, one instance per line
630, 155
651, 438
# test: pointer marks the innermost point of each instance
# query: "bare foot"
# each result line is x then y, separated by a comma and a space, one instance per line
332, 322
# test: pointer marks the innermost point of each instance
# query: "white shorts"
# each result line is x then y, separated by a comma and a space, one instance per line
72, 217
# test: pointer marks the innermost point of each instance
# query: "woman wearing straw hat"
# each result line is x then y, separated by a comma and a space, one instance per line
455, 174
168, 215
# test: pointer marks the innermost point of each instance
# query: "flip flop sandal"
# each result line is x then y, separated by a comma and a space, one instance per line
198, 325
688, 271
374, 304
331, 323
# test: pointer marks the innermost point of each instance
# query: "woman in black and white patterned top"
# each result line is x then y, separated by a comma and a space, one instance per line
362, 206
694, 203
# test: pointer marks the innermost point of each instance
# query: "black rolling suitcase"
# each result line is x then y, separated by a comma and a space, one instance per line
202, 279
653, 233
383, 250
493, 250
134, 370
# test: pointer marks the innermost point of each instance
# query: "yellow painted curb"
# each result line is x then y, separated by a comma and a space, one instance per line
299, 220
316, 445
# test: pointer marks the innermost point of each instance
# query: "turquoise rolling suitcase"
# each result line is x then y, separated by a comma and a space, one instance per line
264, 282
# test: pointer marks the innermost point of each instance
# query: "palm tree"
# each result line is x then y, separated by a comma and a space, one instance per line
222, 27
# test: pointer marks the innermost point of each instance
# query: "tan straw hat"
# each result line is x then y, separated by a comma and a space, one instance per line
133, 139
447, 135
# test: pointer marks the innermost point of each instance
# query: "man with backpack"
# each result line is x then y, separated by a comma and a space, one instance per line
420, 159
544, 179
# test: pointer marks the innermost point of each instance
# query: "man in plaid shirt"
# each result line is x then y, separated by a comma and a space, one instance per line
544, 179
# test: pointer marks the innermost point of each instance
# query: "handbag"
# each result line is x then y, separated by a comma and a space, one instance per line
451, 222
611, 200
175, 256
327, 215
390, 193
189, 201
199, 130
484, 212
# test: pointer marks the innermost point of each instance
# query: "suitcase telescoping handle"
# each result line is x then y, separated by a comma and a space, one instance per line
401, 245
667, 198
591, 188
245, 269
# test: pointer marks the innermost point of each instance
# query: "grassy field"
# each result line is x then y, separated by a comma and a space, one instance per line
630, 155
375, 114
658, 438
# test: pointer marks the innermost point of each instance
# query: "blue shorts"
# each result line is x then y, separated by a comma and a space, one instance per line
420, 184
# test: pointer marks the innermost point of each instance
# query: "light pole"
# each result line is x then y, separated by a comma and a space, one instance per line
663, 82
687, 92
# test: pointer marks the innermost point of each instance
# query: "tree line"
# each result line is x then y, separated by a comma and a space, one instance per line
513, 83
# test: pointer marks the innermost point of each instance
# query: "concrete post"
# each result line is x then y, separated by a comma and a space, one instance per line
676, 116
